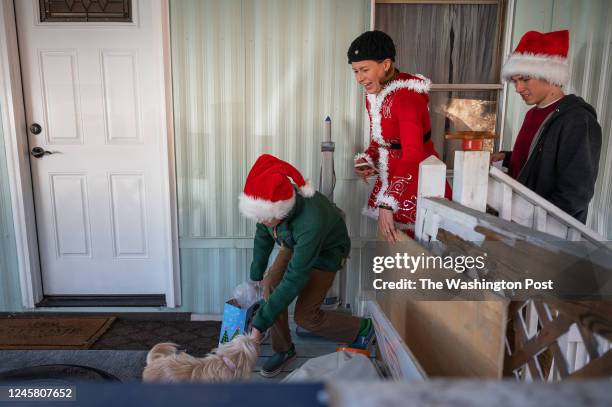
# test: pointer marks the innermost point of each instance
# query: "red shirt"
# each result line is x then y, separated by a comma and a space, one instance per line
533, 120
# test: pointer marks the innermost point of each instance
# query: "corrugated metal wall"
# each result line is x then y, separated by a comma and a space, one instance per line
590, 59
250, 77
209, 276
10, 294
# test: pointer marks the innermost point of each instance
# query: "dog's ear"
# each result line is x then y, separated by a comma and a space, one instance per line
161, 350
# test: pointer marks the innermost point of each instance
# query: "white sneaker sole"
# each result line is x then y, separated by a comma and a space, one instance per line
278, 370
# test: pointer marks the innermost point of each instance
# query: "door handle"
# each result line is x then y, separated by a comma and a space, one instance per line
39, 152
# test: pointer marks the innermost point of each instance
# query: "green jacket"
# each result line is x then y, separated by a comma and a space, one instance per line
316, 233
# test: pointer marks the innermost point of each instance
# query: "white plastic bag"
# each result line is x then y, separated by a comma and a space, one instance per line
337, 366
247, 294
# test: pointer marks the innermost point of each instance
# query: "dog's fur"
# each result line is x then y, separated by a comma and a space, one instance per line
166, 364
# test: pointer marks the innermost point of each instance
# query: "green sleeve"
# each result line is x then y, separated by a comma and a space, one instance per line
307, 248
262, 247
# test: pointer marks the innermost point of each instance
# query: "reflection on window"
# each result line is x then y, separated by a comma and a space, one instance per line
469, 114
461, 111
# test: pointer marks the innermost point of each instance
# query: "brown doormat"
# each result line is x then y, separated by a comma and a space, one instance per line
46, 332
196, 337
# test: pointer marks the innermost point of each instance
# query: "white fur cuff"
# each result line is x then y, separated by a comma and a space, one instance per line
389, 201
365, 157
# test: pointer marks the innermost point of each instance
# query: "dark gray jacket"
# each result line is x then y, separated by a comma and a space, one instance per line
564, 157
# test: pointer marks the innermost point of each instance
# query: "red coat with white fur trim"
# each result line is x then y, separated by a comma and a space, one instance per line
399, 114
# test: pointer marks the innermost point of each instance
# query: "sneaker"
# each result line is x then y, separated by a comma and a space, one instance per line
364, 341
275, 363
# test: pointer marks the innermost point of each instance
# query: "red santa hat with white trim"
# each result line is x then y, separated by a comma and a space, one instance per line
268, 193
542, 56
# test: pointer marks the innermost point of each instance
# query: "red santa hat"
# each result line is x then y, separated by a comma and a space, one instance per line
268, 192
542, 56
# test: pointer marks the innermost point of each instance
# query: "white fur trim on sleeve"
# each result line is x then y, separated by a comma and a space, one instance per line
307, 190
553, 69
388, 200
365, 157
263, 210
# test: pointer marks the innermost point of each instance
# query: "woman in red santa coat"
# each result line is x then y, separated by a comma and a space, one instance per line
400, 129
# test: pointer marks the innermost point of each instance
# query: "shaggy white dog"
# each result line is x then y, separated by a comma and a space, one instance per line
232, 360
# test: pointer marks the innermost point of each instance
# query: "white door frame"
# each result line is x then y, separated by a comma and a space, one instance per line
14, 129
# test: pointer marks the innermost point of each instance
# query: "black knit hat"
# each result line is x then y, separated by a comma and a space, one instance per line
371, 45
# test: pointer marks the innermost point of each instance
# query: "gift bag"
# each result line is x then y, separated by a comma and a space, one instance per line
238, 312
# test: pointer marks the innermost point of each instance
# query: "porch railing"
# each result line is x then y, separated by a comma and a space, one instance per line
538, 327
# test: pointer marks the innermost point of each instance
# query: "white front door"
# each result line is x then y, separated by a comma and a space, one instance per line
96, 91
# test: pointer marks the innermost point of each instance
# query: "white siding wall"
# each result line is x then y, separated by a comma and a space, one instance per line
253, 77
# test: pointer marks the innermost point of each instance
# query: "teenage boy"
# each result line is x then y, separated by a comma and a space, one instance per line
556, 153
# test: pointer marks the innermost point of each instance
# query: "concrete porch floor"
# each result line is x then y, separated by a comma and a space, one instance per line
306, 348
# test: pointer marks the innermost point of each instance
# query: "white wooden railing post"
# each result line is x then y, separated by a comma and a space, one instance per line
471, 179
432, 183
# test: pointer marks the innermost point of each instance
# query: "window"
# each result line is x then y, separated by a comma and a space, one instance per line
85, 10
457, 44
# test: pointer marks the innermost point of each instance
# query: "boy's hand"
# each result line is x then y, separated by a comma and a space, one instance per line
256, 335
498, 156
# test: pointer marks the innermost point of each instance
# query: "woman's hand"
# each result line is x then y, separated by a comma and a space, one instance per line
500, 156
386, 226
363, 171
